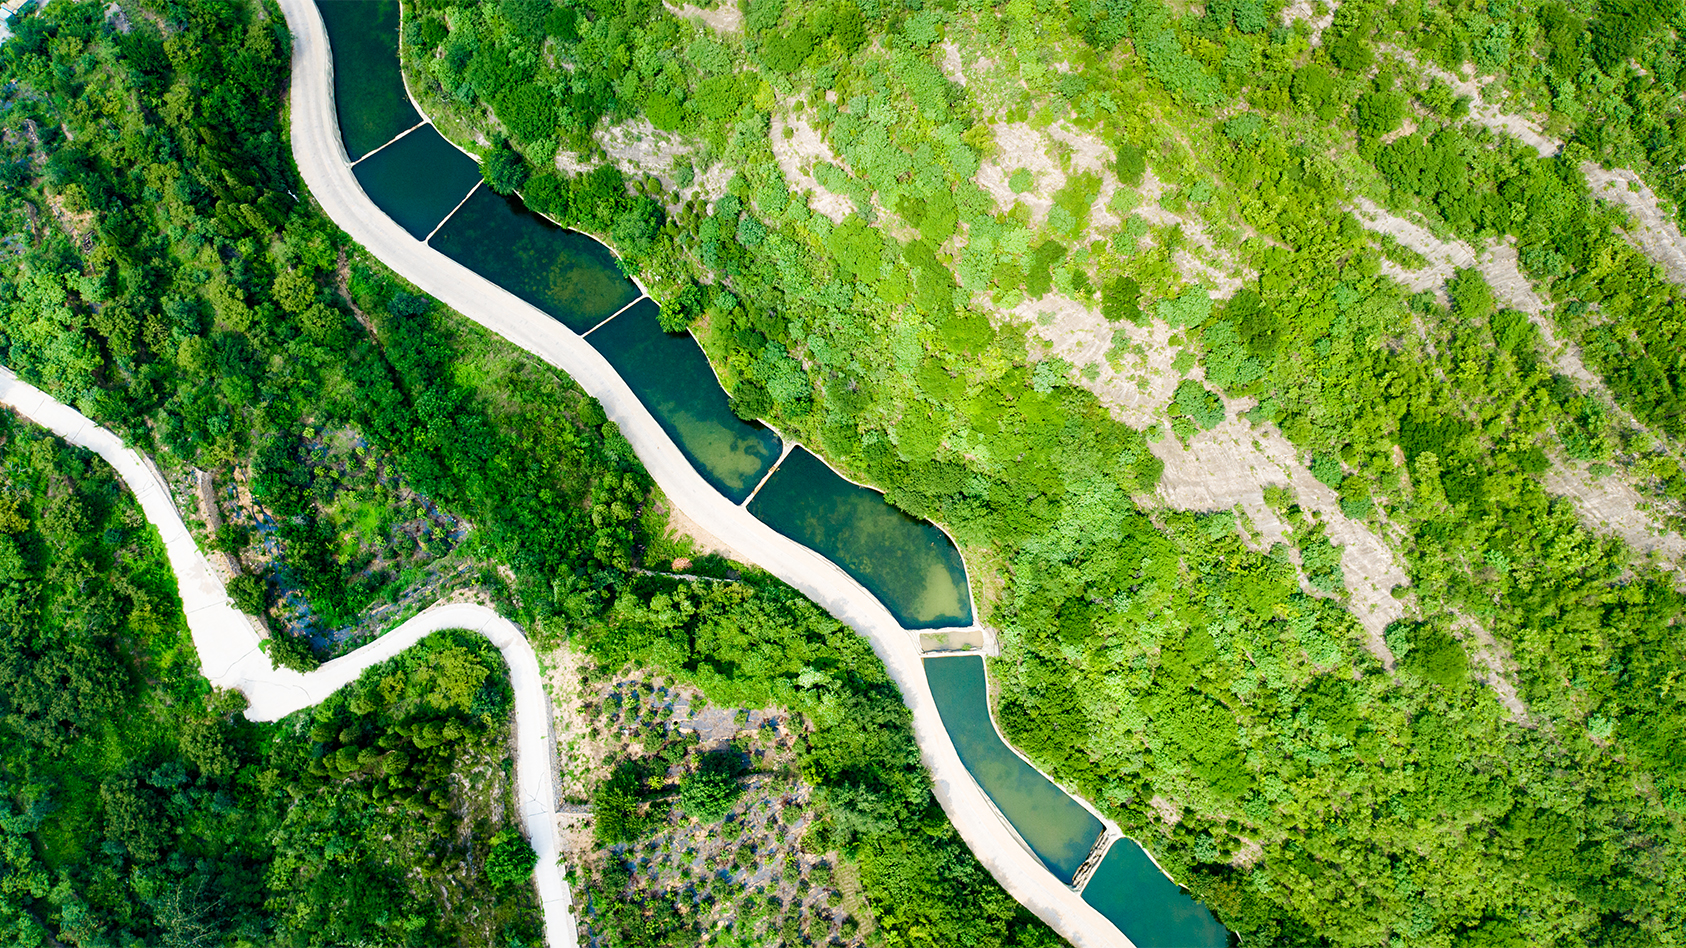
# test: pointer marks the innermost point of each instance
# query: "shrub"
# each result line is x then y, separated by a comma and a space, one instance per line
504, 170
289, 652
708, 792
1198, 404
512, 859
247, 593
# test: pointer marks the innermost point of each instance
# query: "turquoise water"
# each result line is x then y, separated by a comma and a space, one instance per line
369, 93
1146, 906
1058, 829
670, 375
910, 565
417, 179
565, 273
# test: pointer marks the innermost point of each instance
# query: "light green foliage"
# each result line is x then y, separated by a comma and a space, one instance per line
1198, 404
1322, 562
1189, 308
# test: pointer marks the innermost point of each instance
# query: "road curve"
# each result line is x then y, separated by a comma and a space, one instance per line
229, 656
322, 162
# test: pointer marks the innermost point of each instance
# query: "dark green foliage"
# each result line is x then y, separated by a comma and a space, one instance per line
616, 817
1039, 277
1131, 164
683, 309
1379, 112
290, 651
1119, 300
121, 786
527, 112
708, 792
504, 170
1313, 89
1429, 652
248, 594
1322, 562
511, 860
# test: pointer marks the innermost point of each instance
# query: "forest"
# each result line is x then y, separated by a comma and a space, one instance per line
875, 299
166, 274
141, 807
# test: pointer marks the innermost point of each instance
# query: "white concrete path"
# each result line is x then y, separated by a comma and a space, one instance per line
326, 171
229, 656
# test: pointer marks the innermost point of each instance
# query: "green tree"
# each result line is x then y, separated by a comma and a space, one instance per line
511, 860
504, 170
708, 791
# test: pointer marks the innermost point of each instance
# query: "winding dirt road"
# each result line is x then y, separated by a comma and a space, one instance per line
229, 656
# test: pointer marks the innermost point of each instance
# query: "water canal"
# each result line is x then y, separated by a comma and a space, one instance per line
671, 376
1147, 906
1059, 830
369, 96
910, 565
417, 179
563, 272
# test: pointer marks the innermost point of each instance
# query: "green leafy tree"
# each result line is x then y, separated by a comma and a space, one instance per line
708, 792
511, 860
504, 170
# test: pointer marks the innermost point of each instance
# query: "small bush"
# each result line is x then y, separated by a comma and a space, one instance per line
708, 792
512, 859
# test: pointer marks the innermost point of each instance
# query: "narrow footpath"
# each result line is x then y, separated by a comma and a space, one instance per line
322, 162
229, 656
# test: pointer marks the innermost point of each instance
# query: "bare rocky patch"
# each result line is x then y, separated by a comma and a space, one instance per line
721, 18
797, 147
1231, 465
1611, 505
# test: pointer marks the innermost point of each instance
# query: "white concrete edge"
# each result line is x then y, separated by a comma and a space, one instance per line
393, 140
453, 212
230, 656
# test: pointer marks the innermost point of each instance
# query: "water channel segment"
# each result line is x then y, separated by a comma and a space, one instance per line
365, 78
418, 179
672, 376
700, 456
910, 564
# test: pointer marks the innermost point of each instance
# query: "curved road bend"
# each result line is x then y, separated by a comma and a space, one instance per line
227, 642
323, 164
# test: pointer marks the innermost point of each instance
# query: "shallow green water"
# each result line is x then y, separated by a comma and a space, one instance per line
417, 179
908, 564
670, 375
1059, 830
563, 272
1152, 910
369, 93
